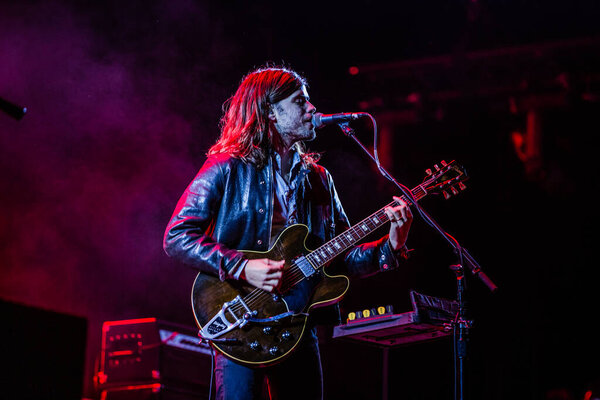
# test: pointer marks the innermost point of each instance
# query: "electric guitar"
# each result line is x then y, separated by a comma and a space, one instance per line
258, 328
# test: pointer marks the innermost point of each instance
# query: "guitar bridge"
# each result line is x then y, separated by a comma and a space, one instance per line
220, 324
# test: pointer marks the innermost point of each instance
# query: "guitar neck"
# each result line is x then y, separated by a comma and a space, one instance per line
327, 252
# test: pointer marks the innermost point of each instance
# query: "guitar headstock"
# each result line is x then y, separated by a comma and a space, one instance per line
445, 178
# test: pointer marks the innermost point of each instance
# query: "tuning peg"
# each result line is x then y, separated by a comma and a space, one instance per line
454, 190
462, 186
428, 171
446, 195
444, 163
437, 168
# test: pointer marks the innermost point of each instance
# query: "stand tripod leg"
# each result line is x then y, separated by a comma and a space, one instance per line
460, 331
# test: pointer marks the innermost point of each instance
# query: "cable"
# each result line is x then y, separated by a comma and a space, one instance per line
212, 372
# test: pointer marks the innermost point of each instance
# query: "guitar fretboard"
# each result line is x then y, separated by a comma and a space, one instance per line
353, 235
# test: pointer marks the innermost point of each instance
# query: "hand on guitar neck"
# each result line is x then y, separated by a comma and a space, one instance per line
263, 273
400, 220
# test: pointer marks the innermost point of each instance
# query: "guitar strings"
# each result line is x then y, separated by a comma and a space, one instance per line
258, 297
257, 294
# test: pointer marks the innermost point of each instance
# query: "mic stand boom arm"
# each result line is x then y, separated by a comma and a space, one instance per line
461, 252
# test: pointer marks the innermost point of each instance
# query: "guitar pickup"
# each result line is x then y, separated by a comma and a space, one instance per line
305, 266
220, 324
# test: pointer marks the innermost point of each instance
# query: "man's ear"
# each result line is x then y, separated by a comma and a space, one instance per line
272, 116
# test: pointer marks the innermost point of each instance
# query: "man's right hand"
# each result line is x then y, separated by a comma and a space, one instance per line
263, 273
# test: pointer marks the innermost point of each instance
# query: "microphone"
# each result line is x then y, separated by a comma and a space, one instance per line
15, 111
320, 120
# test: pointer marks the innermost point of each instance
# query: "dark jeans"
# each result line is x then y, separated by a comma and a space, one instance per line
299, 376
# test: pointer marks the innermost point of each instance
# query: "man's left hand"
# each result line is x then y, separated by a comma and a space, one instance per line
400, 218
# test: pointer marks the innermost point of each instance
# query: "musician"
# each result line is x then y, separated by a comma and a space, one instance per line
257, 180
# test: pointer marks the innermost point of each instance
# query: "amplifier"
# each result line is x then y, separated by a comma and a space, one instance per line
152, 352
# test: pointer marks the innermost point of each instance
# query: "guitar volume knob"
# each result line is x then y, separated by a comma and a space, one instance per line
286, 335
274, 350
254, 345
267, 330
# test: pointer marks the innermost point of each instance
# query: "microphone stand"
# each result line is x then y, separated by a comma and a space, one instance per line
460, 325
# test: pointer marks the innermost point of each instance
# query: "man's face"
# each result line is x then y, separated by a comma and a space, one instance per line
292, 117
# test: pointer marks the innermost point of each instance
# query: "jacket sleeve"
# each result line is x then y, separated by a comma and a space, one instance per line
188, 235
367, 258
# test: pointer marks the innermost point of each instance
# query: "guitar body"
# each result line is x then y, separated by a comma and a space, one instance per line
263, 343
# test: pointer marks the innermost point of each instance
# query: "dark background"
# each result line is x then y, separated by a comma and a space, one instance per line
124, 100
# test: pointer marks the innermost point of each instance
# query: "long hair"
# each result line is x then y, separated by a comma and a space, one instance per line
245, 121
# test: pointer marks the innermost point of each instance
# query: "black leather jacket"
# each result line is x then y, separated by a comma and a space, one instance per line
229, 206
